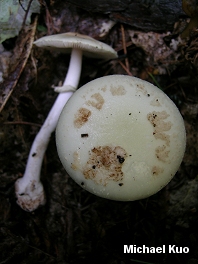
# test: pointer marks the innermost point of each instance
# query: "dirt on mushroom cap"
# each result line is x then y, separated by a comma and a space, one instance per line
148, 134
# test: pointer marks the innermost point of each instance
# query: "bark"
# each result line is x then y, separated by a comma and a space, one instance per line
147, 15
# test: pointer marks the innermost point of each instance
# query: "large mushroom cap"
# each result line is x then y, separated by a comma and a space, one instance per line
121, 138
66, 41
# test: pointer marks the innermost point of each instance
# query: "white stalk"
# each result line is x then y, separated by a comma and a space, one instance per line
29, 189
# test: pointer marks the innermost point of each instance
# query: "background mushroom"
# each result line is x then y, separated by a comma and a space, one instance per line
29, 189
121, 138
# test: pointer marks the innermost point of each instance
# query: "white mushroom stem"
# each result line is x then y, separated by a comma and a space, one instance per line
29, 189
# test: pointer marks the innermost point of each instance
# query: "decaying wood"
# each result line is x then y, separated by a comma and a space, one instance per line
146, 15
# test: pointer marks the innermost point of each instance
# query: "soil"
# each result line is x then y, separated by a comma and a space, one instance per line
74, 226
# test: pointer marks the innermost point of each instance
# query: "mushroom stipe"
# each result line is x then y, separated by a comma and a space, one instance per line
29, 189
135, 138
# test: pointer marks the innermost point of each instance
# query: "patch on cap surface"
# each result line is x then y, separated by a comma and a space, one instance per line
130, 143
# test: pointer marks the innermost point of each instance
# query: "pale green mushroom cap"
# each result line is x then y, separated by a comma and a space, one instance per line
65, 42
121, 138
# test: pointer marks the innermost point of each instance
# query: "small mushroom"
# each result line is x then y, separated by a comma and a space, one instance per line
29, 189
135, 138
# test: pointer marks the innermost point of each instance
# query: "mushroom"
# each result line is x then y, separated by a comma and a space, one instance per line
121, 138
29, 189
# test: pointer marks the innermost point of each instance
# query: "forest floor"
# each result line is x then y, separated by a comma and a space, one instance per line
74, 226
